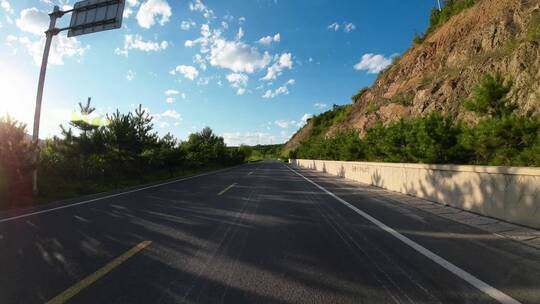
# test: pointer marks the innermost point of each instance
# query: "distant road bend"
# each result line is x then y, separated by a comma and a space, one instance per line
257, 233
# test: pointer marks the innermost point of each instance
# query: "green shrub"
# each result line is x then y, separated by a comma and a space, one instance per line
508, 140
434, 139
16, 154
88, 158
501, 137
429, 139
450, 8
490, 97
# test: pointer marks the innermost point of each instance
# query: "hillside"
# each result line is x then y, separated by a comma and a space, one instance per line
441, 69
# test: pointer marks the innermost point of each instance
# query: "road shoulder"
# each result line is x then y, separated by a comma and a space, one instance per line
521, 234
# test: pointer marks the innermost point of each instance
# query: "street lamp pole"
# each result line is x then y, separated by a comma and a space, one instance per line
50, 33
87, 17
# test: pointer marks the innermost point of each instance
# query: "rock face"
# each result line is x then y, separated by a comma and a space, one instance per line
439, 73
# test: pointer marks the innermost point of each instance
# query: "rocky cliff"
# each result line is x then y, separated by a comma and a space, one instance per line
438, 72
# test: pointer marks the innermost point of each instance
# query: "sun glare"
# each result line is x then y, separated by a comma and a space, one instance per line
16, 91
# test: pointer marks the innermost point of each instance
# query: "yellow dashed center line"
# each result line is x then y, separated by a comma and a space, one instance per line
226, 189
89, 280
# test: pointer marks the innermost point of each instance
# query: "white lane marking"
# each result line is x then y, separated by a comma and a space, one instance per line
108, 196
226, 189
469, 278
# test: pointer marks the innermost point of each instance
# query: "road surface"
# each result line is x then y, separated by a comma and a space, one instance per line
257, 233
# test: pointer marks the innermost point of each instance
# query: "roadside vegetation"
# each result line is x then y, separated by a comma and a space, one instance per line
262, 152
499, 136
89, 157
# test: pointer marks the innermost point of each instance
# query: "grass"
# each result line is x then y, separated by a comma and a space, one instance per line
402, 98
534, 31
322, 122
372, 107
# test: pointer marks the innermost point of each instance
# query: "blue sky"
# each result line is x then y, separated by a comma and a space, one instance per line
253, 70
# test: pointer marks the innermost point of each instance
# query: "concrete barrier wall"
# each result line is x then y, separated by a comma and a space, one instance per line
508, 193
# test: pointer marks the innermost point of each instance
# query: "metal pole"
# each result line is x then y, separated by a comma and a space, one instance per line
439, 2
35, 135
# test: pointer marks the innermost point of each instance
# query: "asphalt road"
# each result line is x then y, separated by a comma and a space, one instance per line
257, 233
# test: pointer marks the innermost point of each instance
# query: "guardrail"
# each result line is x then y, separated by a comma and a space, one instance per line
508, 193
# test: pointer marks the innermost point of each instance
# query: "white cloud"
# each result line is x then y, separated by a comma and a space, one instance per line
348, 27
61, 47
251, 138
237, 78
198, 59
136, 42
33, 21
320, 105
237, 56
240, 34
186, 25
150, 11
238, 81
171, 92
130, 75
203, 81
172, 114
334, 26
6, 6
241, 20
198, 6
283, 62
269, 39
284, 124
305, 118
373, 63
282, 90
206, 38
163, 124
130, 5
189, 72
